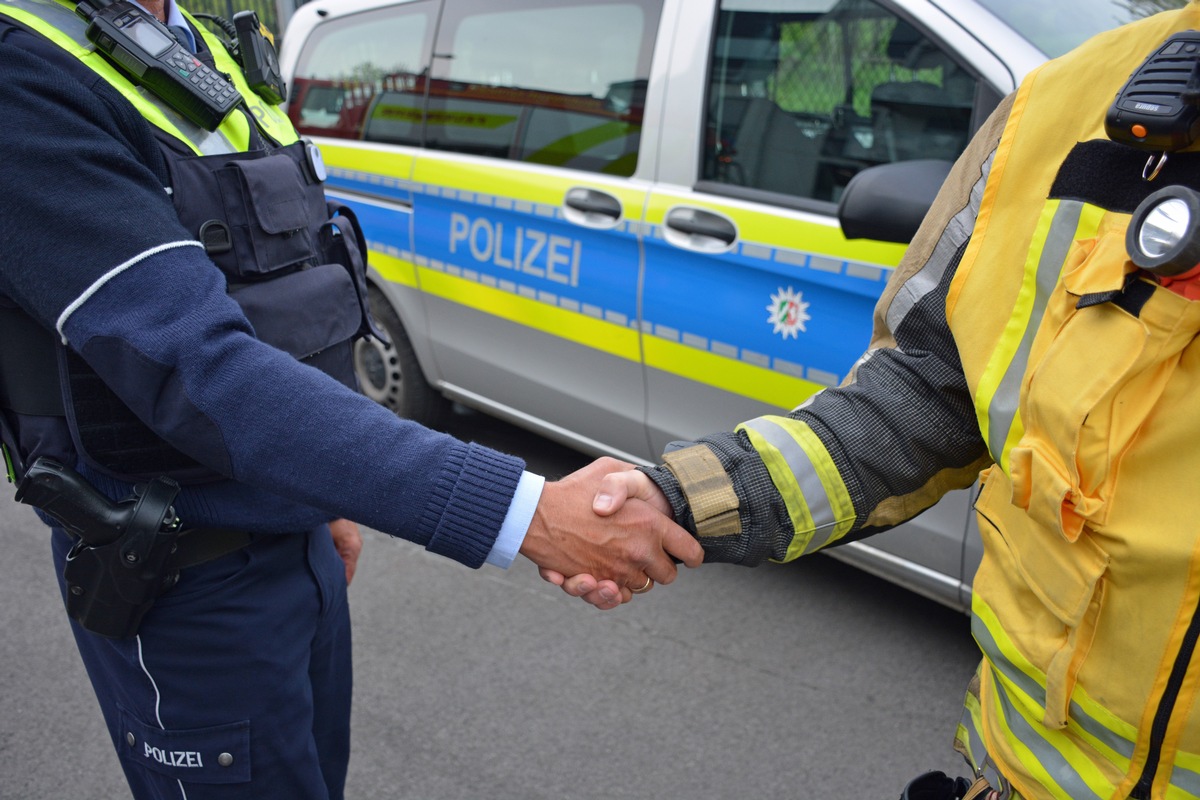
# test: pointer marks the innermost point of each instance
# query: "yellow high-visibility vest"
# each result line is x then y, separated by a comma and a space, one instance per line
58, 22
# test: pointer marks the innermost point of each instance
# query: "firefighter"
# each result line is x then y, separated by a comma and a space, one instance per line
1039, 336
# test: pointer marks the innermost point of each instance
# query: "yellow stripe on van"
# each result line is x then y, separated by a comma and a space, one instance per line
396, 270
483, 179
373, 162
748, 380
608, 337
738, 377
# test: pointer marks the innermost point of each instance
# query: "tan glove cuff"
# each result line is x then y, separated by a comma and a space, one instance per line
709, 492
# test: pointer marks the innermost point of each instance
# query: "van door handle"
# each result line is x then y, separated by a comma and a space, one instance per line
592, 207
698, 229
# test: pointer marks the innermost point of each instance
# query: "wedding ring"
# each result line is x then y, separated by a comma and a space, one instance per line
645, 588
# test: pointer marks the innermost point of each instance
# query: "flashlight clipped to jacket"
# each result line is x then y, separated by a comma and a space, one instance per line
1164, 239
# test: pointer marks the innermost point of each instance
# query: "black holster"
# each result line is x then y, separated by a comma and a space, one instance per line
121, 560
110, 587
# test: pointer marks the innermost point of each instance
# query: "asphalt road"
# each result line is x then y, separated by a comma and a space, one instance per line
807, 680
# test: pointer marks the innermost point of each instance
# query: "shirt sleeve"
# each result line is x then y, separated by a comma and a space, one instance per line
516, 523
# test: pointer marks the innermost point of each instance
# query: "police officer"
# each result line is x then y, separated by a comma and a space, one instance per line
1032, 332
177, 309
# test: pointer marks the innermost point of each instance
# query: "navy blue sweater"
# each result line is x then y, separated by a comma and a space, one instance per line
84, 195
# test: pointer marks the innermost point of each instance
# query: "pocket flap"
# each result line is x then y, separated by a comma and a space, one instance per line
1046, 593
220, 754
276, 191
304, 312
1062, 574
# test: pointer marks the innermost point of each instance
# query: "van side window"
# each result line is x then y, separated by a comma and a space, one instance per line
801, 100
361, 77
556, 82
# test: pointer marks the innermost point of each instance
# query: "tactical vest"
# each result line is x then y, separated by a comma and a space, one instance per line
251, 193
1083, 374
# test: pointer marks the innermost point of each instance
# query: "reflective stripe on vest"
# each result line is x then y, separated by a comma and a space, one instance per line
968, 740
1057, 751
1062, 223
271, 119
58, 22
1018, 696
1017, 693
803, 471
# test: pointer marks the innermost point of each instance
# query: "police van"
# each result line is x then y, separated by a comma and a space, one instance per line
615, 222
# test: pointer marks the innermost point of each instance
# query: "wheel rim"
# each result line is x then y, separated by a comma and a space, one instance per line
378, 369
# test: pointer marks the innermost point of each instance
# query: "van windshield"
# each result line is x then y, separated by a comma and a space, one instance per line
1059, 25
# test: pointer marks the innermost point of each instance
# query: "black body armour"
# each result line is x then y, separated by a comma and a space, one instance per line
292, 261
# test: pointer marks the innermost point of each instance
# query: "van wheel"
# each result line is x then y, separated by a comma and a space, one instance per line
389, 373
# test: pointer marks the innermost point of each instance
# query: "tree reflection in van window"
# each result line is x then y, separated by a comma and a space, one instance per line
348, 65
556, 83
801, 100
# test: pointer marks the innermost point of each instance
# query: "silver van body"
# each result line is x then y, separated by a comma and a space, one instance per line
615, 223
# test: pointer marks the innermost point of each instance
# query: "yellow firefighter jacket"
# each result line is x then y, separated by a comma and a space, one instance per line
1087, 605
1016, 336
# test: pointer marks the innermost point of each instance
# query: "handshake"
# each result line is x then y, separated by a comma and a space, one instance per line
605, 533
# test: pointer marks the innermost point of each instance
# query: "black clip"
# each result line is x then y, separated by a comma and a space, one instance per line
215, 237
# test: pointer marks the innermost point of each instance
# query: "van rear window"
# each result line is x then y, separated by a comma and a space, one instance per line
555, 82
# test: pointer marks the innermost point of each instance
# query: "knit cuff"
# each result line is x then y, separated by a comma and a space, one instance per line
470, 502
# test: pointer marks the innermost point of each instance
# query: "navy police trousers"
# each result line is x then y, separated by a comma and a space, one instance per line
238, 683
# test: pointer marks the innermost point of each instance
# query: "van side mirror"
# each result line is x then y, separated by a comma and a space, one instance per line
889, 201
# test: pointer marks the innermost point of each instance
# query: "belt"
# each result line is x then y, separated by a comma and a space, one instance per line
198, 545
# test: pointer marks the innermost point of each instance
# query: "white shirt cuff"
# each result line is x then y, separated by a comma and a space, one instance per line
516, 522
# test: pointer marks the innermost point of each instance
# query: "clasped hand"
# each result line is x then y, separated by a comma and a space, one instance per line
605, 532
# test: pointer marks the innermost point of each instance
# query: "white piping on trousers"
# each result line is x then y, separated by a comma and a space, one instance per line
157, 700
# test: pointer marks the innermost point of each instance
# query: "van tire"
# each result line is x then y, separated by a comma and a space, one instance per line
389, 373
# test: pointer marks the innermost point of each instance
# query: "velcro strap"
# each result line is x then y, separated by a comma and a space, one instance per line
708, 490
978, 790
